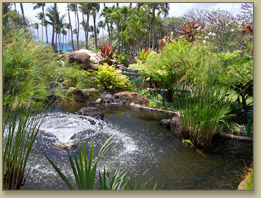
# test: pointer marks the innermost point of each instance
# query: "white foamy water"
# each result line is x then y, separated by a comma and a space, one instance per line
65, 125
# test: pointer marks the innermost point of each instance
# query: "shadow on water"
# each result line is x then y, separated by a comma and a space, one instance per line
140, 144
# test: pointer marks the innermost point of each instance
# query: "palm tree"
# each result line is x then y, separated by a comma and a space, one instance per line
59, 23
36, 26
95, 8
22, 10
164, 8
42, 5
74, 8
85, 9
15, 7
64, 33
107, 14
40, 17
68, 9
54, 28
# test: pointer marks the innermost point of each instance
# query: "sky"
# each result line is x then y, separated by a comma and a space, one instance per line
176, 10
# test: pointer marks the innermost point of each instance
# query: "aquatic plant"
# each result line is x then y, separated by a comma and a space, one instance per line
202, 112
21, 127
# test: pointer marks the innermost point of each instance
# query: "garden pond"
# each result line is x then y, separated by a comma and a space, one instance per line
141, 147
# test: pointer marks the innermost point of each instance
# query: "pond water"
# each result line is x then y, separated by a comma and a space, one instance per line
141, 146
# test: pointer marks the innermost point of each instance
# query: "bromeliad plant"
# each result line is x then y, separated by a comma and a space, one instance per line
107, 55
21, 127
84, 171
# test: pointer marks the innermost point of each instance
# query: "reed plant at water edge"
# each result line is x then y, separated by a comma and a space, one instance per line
21, 127
202, 113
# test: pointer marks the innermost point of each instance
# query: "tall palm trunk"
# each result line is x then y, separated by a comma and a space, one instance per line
109, 32
22, 10
54, 28
42, 29
95, 33
46, 33
70, 26
87, 34
78, 28
153, 29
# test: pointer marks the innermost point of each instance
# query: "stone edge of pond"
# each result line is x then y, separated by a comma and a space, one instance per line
137, 106
235, 137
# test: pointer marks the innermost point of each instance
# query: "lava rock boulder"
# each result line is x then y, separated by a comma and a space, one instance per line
127, 97
92, 112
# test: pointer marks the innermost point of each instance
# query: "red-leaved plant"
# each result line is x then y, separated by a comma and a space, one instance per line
107, 56
249, 28
190, 30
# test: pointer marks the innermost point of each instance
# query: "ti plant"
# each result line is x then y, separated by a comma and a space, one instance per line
107, 55
190, 30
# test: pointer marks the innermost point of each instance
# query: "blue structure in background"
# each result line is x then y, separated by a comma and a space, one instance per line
64, 46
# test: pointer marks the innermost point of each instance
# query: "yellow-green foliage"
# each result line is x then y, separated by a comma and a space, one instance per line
109, 78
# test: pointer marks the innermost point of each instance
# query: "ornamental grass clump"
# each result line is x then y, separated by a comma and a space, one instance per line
21, 127
202, 113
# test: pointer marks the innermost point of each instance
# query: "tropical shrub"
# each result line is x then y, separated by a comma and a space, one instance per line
143, 55
21, 127
107, 56
123, 59
110, 78
237, 75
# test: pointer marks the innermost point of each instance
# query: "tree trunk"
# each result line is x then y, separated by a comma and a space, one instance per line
42, 30
87, 35
54, 28
153, 29
22, 10
169, 95
78, 28
108, 29
70, 27
85, 32
95, 33
46, 33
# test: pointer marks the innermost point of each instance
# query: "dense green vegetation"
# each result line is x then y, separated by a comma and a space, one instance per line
204, 61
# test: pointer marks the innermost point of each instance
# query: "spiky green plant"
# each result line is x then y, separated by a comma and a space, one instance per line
133, 184
202, 113
21, 127
83, 170
106, 182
